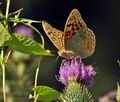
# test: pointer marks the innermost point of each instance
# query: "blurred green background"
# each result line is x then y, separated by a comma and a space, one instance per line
102, 16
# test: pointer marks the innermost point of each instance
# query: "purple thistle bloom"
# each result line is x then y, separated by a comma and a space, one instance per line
69, 71
23, 30
74, 70
87, 74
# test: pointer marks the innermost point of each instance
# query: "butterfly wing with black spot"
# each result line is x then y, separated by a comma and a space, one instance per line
78, 37
73, 24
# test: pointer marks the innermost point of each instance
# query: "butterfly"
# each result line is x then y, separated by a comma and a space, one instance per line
76, 39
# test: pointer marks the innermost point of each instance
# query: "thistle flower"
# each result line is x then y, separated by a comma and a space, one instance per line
74, 70
87, 75
23, 30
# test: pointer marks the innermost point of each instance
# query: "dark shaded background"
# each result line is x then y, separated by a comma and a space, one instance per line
102, 16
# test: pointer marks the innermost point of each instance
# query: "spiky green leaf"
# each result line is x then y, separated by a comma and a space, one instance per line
27, 45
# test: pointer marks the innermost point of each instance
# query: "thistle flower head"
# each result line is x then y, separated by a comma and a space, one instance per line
69, 70
87, 75
74, 70
23, 30
75, 92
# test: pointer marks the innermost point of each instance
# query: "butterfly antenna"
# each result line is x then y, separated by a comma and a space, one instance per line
41, 21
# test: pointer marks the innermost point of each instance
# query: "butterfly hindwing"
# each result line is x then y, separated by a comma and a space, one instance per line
83, 43
55, 35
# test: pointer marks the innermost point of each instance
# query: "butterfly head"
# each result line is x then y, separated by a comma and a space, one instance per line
66, 54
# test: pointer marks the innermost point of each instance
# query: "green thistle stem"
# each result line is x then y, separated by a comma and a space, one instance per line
36, 78
4, 84
2, 62
3, 71
6, 59
7, 11
43, 43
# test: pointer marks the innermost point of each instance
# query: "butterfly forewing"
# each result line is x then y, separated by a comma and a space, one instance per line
73, 24
55, 35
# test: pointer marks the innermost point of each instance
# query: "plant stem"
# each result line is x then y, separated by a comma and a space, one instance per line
37, 70
3, 71
7, 11
2, 55
4, 89
6, 59
36, 78
43, 43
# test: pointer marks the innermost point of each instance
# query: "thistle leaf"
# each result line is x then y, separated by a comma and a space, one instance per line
27, 45
46, 94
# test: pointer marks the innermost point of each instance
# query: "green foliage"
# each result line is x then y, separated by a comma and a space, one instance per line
46, 94
18, 42
22, 44
27, 45
75, 92
4, 35
118, 93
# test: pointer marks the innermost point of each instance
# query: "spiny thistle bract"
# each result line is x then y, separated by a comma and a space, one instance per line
74, 92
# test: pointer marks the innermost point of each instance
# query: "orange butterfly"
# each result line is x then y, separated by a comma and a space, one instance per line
77, 38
